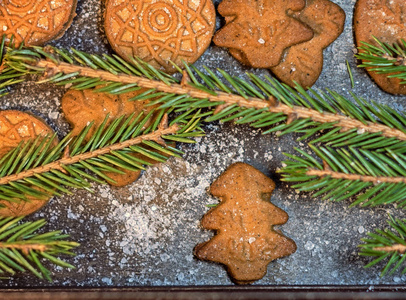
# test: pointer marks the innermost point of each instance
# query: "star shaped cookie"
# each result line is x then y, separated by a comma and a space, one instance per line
290, 43
261, 29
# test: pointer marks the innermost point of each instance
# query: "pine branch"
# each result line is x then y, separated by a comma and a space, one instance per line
388, 244
371, 177
261, 103
70, 160
39, 170
384, 58
22, 248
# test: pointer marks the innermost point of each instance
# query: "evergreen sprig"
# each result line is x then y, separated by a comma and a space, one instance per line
373, 178
387, 245
41, 169
263, 103
23, 248
384, 58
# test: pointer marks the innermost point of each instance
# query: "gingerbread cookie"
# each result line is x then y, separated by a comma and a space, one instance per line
82, 107
35, 22
17, 126
260, 31
386, 21
245, 241
160, 31
303, 63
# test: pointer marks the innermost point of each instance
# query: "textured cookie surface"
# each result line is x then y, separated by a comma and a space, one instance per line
245, 241
386, 21
35, 21
261, 30
82, 107
303, 63
17, 126
160, 31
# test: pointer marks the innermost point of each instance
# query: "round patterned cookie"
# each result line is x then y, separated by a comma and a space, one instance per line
160, 31
35, 22
17, 126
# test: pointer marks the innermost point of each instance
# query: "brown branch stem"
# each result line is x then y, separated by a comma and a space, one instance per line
65, 161
354, 177
272, 104
24, 247
400, 60
397, 247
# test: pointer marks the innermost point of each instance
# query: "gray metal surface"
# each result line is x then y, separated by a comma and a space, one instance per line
144, 234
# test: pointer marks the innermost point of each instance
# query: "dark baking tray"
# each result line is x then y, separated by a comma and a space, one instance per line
215, 292
142, 236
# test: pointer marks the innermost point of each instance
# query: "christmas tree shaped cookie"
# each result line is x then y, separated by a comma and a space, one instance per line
245, 241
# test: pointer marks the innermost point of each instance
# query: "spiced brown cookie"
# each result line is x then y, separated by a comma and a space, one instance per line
303, 62
386, 21
260, 31
82, 107
17, 126
35, 22
160, 31
245, 241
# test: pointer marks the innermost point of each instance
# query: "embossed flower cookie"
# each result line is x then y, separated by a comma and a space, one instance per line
15, 127
386, 20
160, 31
287, 37
35, 22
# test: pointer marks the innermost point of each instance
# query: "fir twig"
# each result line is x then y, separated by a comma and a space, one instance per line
261, 103
339, 174
39, 170
374, 178
387, 245
350, 74
384, 58
23, 248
